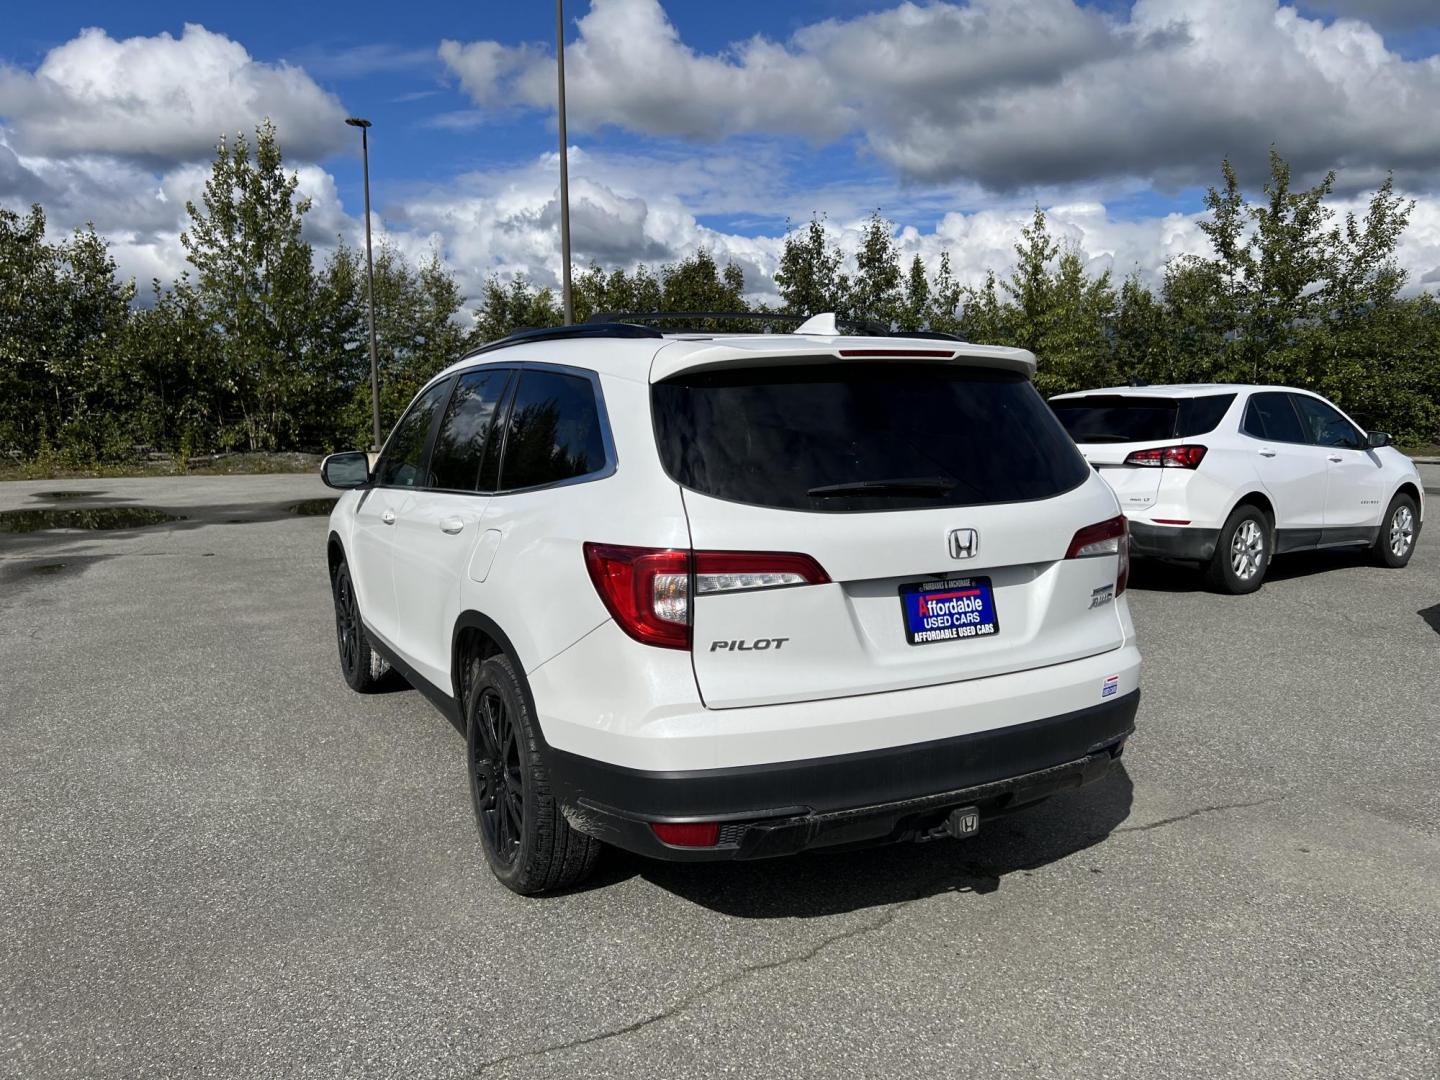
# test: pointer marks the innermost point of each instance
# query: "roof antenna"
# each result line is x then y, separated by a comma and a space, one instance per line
823, 325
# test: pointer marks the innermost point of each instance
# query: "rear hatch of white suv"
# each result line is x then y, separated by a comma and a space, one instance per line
1130, 439
866, 525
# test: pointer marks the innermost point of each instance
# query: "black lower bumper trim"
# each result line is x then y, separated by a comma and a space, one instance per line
852, 798
1164, 542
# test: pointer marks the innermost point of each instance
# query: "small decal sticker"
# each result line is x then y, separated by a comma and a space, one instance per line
1112, 684
1103, 595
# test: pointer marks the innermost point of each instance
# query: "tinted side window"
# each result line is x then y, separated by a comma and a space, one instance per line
1324, 426
400, 463
1270, 416
553, 432
1198, 416
465, 436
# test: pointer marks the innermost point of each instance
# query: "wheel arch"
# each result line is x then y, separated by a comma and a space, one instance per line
1261, 501
1409, 487
476, 633
334, 553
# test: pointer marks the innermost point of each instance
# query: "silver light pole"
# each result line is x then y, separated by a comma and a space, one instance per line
364, 125
564, 163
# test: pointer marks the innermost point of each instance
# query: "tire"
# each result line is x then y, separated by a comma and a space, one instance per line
1398, 531
364, 671
528, 844
1242, 552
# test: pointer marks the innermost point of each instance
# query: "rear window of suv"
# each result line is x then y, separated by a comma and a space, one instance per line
862, 436
1107, 418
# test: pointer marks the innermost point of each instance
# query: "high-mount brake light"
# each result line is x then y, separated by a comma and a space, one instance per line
648, 590
930, 354
1188, 456
1110, 537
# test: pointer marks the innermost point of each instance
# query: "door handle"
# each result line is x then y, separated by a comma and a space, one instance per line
451, 525
388, 517
1267, 452
1335, 458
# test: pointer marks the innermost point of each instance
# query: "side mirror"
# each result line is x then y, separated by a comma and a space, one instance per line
347, 470
1378, 438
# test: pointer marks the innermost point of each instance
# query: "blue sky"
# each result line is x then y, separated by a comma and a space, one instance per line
703, 124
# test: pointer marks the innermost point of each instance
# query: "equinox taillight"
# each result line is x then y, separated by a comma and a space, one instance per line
1110, 537
647, 590
1168, 457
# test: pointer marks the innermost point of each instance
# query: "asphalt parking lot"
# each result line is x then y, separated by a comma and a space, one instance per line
217, 861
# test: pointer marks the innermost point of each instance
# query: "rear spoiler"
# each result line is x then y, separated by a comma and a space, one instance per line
771, 351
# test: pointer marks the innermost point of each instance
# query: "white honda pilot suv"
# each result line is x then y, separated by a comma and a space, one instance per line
1227, 476
710, 596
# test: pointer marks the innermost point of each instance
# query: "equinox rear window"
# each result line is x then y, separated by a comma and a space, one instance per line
858, 436
1105, 418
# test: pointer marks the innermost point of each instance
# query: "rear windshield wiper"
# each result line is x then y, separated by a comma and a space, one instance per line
934, 486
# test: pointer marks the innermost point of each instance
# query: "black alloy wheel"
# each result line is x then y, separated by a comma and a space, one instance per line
497, 779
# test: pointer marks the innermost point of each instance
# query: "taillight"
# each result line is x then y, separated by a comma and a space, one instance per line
687, 833
736, 571
1169, 457
1110, 537
647, 590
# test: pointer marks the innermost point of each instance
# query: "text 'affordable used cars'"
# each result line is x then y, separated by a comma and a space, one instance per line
710, 596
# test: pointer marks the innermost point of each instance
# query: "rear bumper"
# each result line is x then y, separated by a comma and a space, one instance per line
874, 796
1172, 542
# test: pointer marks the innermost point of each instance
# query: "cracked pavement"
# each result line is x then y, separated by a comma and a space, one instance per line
216, 861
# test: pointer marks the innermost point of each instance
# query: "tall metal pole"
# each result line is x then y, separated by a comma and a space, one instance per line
564, 163
370, 290
364, 126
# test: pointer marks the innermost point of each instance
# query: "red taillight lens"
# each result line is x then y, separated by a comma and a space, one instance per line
687, 834
1110, 537
647, 590
1168, 457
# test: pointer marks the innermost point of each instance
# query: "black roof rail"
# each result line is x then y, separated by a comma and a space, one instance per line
869, 326
574, 330
693, 316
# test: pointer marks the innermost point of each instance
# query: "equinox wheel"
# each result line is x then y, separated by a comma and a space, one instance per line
528, 843
1242, 552
363, 669
1396, 542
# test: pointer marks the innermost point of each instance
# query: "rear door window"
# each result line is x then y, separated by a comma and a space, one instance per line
553, 432
466, 435
403, 459
879, 436
1271, 417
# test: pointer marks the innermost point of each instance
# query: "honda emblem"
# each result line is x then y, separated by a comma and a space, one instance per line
964, 543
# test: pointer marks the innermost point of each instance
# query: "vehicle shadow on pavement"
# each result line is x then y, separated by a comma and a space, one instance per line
1150, 575
818, 883
1431, 615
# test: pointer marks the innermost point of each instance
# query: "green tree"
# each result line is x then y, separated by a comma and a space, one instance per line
808, 278
876, 291
915, 310
257, 286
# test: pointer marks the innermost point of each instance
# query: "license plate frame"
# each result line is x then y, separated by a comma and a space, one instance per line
970, 610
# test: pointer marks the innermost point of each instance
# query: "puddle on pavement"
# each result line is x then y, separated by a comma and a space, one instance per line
48, 568
313, 507
102, 518
67, 494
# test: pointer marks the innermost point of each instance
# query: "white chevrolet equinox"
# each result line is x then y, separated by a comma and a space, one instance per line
710, 596
1228, 476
